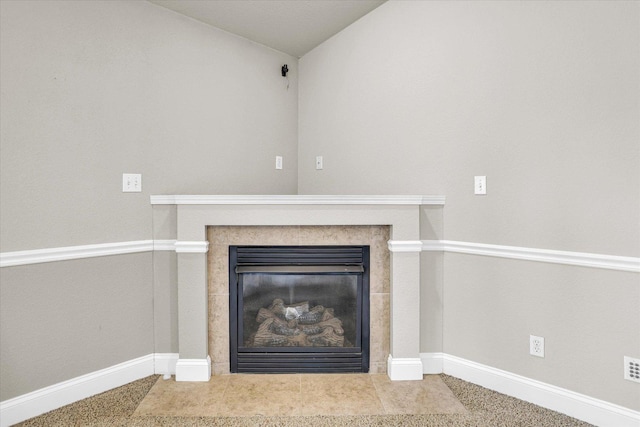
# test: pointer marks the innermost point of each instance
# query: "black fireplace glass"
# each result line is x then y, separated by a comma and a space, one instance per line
300, 310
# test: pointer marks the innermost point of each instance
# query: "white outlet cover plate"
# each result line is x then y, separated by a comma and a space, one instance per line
131, 182
319, 163
278, 162
536, 346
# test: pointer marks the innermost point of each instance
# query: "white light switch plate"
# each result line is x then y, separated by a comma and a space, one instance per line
131, 182
480, 186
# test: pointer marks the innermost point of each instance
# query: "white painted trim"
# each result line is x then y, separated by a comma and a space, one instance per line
49, 398
580, 406
432, 363
404, 369
577, 405
433, 245
193, 369
191, 247
295, 200
164, 245
404, 245
583, 259
165, 363
58, 395
10, 259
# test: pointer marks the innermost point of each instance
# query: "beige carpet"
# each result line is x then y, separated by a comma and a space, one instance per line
481, 407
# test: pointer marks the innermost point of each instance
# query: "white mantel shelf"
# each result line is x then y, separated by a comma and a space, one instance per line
296, 200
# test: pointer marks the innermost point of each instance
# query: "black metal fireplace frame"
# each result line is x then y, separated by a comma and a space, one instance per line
331, 260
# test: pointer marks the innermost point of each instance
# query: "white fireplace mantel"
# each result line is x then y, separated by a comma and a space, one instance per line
295, 200
194, 213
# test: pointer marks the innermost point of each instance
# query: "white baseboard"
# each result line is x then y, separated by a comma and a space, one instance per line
165, 363
47, 399
431, 363
53, 397
591, 410
404, 369
580, 406
193, 369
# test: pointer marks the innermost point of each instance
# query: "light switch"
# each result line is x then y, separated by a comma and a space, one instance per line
480, 185
131, 182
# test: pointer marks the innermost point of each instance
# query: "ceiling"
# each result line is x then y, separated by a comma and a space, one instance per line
290, 26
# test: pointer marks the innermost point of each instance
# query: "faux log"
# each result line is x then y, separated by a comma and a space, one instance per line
296, 326
328, 338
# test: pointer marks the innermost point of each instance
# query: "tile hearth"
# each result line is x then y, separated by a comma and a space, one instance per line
238, 395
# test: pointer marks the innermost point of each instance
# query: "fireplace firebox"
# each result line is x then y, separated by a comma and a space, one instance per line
299, 309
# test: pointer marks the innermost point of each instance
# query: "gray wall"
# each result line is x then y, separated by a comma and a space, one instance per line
64, 319
542, 98
91, 90
416, 97
94, 89
588, 317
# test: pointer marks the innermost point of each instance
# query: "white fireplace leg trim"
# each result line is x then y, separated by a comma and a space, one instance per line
405, 245
404, 369
165, 363
191, 247
193, 369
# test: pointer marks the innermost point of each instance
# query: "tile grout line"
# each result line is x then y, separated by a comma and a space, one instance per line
386, 412
224, 392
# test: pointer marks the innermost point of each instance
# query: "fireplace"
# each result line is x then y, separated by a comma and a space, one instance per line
299, 308
200, 328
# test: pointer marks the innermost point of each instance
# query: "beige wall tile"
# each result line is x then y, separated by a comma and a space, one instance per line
219, 328
220, 237
379, 329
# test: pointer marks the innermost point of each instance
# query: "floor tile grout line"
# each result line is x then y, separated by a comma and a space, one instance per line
384, 407
220, 401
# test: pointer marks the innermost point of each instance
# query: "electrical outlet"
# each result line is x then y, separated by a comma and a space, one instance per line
631, 369
278, 162
131, 182
536, 346
319, 164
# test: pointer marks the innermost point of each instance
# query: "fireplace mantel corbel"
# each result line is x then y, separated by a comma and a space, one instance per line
194, 213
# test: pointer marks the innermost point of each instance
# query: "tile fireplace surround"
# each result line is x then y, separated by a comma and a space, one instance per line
204, 226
